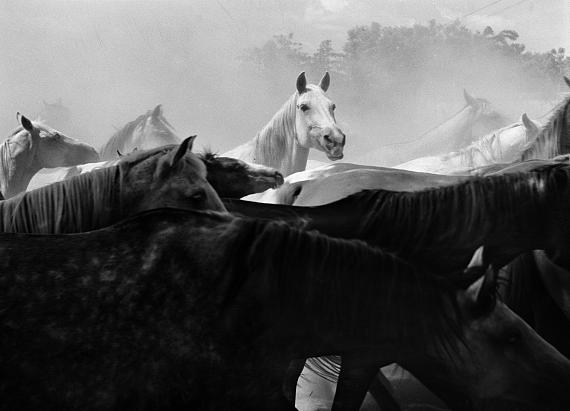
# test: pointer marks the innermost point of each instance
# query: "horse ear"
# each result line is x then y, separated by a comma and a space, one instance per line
469, 99
567, 81
325, 82
25, 122
481, 293
157, 111
528, 123
301, 83
191, 141
182, 149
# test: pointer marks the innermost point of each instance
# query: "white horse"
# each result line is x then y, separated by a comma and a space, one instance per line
500, 146
305, 121
476, 118
336, 181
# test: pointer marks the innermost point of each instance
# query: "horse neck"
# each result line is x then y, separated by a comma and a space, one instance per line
298, 160
463, 128
311, 276
14, 179
86, 202
449, 136
452, 220
276, 145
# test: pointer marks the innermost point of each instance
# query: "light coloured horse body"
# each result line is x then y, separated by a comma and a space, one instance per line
500, 146
34, 146
476, 118
305, 121
334, 182
147, 131
554, 137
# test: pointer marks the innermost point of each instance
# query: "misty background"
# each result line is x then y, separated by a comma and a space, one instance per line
222, 68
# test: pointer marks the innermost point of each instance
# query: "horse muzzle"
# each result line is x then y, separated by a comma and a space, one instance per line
334, 146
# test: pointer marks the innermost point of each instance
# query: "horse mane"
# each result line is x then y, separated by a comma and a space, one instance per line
277, 137
316, 274
419, 222
82, 203
548, 143
484, 147
121, 137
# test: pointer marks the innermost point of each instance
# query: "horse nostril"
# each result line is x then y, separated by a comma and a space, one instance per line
279, 178
327, 138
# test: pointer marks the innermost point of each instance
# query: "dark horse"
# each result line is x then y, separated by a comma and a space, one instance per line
170, 308
165, 177
230, 177
511, 213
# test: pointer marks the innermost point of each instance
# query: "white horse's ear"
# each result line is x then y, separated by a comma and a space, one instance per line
325, 82
301, 83
528, 123
25, 122
469, 99
484, 287
477, 259
567, 81
157, 111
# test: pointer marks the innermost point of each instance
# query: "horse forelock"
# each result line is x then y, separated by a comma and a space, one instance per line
276, 139
82, 203
316, 272
549, 141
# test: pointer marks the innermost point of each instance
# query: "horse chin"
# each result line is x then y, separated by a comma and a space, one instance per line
335, 157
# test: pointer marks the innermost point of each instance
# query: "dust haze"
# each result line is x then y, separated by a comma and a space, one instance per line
111, 61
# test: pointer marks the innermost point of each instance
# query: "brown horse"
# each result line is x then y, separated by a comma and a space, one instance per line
34, 146
512, 213
172, 307
230, 177
167, 176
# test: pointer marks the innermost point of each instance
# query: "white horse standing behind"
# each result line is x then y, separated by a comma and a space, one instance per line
500, 146
305, 121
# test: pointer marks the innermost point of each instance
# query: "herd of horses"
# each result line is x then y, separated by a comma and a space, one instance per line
147, 277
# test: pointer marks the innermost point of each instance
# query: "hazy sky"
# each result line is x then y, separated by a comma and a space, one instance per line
112, 60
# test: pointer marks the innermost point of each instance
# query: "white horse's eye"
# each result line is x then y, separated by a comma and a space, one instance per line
303, 107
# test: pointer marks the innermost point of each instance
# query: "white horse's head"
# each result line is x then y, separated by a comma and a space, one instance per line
314, 121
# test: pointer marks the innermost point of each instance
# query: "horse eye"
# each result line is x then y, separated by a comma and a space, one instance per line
198, 196
303, 107
514, 338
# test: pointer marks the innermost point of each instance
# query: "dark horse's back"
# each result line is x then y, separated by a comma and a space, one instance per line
106, 320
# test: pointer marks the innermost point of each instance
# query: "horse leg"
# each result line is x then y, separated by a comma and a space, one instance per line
294, 370
355, 381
